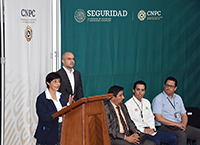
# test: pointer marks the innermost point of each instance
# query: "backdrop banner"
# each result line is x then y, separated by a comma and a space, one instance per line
28, 47
119, 42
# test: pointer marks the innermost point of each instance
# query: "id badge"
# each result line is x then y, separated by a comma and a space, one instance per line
177, 115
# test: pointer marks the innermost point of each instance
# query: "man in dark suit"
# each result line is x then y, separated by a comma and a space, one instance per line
71, 85
122, 130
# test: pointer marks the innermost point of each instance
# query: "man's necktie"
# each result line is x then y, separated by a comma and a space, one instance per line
123, 122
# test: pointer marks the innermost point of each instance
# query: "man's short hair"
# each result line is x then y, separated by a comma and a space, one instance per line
172, 79
115, 90
139, 82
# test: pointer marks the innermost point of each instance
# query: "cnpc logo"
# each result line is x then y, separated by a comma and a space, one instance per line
27, 13
153, 13
150, 14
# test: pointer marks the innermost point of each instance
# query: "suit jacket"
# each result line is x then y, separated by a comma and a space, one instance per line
66, 88
47, 129
113, 123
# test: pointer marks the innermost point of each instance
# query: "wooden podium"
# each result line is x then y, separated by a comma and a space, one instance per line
84, 122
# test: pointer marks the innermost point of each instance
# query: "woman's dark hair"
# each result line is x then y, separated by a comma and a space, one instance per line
51, 76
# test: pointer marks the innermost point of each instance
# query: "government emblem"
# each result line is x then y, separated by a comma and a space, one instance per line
80, 15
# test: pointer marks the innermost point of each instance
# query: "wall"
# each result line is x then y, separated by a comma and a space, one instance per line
126, 44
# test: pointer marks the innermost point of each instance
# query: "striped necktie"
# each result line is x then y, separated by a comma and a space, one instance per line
123, 122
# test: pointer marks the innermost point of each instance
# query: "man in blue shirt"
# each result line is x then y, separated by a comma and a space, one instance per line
140, 112
171, 116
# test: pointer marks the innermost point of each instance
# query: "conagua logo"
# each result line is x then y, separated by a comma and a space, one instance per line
141, 15
28, 33
80, 15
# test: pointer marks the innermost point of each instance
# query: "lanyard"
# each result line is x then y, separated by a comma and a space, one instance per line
139, 107
172, 104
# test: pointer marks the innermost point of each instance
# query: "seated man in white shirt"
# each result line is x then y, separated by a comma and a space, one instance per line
140, 112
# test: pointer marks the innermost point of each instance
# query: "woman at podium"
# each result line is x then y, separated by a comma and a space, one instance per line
49, 102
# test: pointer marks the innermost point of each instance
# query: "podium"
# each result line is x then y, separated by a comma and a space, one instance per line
84, 122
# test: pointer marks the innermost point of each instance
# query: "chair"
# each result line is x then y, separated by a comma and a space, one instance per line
193, 114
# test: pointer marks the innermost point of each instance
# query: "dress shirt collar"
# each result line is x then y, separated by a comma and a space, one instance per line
115, 106
137, 101
48, 95
174, 96
67, 71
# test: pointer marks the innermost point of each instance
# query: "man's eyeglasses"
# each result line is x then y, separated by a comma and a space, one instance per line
170, 86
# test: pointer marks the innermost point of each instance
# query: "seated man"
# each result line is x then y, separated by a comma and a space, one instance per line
170, 113
140, 112
122, 130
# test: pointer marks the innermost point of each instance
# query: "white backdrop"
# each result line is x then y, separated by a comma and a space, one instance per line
28, 48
